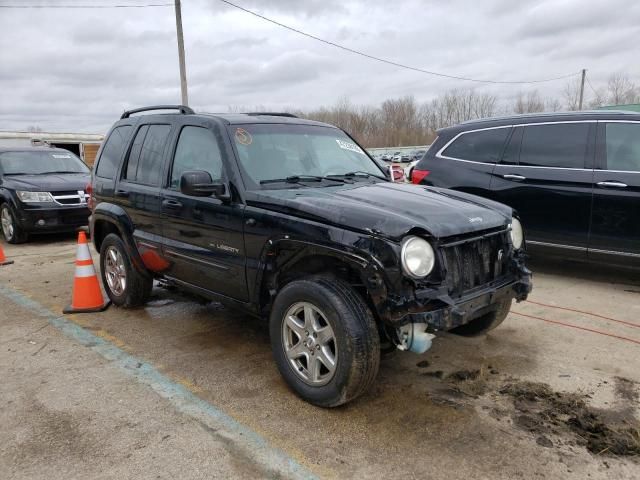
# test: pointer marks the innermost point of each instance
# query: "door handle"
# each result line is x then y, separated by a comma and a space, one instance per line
171, 204
612, 184
511, 176
122, 193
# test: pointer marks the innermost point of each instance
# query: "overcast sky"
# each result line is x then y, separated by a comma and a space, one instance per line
78, 69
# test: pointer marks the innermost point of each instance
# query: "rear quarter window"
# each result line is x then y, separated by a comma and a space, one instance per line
480, 146
112, 151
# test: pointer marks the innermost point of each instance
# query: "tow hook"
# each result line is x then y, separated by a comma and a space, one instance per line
414, 337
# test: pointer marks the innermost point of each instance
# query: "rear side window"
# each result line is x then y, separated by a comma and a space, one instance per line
554, 145
112, 151
134, 154
623, 146
145, 158
482, 146
197, 149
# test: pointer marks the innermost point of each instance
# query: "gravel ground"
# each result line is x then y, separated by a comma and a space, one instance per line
552, 393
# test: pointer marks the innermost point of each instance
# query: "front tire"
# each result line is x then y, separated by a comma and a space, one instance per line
324, 340
10, 228
125, 286
486, 323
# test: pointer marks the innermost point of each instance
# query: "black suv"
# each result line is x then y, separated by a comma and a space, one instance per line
574, 178
42, 190
290, 219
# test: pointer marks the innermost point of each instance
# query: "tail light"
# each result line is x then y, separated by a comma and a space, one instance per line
418, 175
89, 191
397, 174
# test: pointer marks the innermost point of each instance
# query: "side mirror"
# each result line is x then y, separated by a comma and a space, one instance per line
198, 183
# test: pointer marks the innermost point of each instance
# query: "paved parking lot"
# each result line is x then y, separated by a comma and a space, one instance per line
187, 389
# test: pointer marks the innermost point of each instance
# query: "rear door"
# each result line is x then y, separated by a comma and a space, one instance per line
138, 188
203, 236
616, 202
546, 175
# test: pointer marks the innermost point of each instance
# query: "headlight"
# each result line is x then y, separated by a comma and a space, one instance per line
417, 257
517, 235
33, 197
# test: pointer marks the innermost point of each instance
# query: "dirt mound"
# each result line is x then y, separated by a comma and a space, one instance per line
541, 410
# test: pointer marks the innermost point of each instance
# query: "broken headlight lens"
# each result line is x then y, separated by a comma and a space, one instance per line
35, 197
517, 235
417, 257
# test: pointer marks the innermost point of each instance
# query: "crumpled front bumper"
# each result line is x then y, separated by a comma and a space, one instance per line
474, 304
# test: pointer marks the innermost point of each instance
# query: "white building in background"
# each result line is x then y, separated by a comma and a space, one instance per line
84, 145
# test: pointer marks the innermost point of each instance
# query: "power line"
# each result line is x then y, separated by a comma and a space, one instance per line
147, 5
591, 87
391, 62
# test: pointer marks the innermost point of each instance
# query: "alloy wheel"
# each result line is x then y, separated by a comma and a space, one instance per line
310, 343
8, 228
115, 271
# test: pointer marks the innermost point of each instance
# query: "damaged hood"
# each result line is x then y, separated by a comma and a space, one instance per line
388, 209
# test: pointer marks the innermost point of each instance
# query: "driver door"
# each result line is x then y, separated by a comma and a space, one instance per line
203, 236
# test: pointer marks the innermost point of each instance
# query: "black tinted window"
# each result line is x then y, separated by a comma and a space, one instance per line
623, 146
512, 151
145, 159
482, 146
112, 151
134, 154
197, 150
554, 145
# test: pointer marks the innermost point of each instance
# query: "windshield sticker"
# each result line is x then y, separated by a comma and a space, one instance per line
54, 155
243, 137
349, 146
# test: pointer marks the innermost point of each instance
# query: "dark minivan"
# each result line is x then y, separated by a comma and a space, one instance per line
574, 178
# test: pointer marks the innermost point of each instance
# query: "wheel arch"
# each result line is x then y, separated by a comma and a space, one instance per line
286, 260
109, 218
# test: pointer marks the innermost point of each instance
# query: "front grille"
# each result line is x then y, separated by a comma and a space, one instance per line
70, 197
475, 263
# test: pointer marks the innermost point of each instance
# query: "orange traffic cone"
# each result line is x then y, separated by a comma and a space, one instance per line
86, 296
3, 259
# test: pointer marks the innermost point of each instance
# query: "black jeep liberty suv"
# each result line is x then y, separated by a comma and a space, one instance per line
291, 220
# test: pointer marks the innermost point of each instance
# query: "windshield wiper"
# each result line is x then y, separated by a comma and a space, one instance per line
359, 174
53, 173
302, 178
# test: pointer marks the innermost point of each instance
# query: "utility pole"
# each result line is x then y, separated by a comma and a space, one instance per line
183, 69
584, 73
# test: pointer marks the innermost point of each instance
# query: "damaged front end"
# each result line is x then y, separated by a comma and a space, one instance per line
473, 276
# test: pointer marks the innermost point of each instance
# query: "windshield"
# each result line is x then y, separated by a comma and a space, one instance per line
280, 151
39, 162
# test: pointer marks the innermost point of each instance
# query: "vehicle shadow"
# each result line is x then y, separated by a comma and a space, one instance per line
585, 271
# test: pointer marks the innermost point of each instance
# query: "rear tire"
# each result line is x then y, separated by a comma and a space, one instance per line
12, 232
355, 346
125, 286
486, 323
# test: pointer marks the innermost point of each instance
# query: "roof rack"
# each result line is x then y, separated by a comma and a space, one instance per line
272, 114
184, 110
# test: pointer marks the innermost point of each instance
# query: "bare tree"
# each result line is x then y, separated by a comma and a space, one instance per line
571, 94
34, 129
529, 103
552, 104
621, 90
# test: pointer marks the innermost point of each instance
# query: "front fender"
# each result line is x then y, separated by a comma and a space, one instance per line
281, 254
